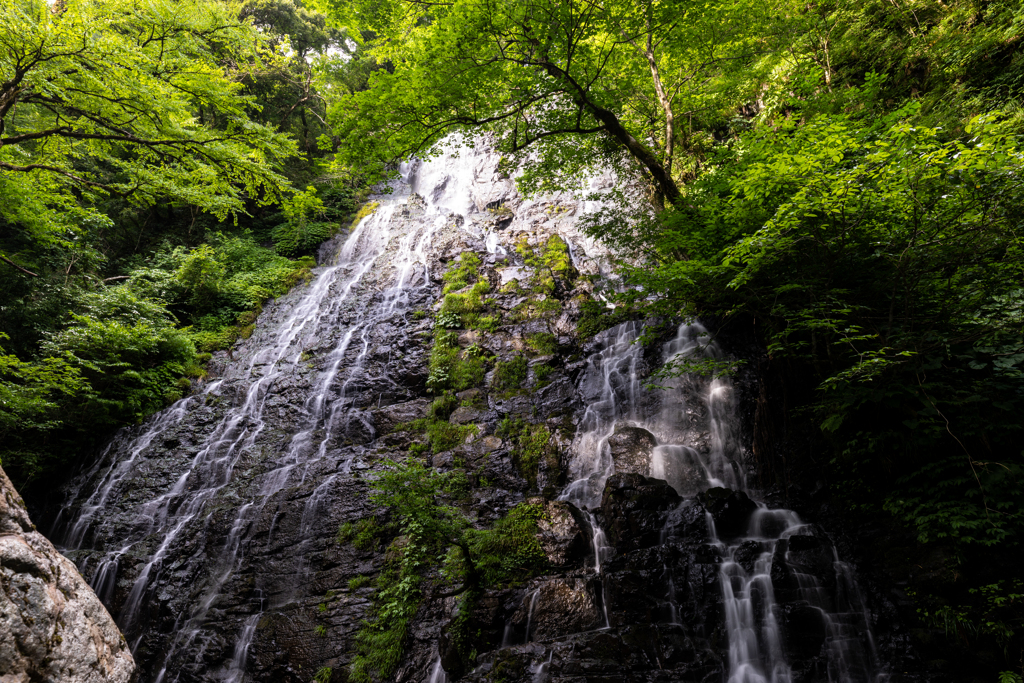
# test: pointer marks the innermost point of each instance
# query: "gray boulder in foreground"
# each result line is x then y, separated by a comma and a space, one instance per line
52, 625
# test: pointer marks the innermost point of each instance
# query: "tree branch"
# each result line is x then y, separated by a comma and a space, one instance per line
15, 265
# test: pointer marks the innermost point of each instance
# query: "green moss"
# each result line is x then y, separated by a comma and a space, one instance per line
363, 534
509, 552
530, 443
543, 343
443, 406
596, 317
542, 372
364, 211
556, 257
550, 261
509, 376
358, 582
464, 273
547, 305
452, 369
445, 436
510, 287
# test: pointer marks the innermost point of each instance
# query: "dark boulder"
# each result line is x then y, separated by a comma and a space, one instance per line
731, 511
560, 607
563, 534
635, 509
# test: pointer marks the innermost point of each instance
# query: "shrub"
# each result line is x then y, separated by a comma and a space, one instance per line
359, 582
463, 274
542, 342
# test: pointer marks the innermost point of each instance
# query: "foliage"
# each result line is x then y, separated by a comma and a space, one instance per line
585, 95
156, 114
509, 552
463, 274
510, 375
30, 404
550, 260
300, 232
358, 582
543, 343
995, 612
597, 316
889, 259
129, 350
425, 525
433, 533
363, 534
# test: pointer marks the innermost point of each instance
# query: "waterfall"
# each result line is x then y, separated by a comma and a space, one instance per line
208, 530
181, 520
696, 427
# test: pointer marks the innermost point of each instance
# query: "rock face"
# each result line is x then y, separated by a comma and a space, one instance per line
52, 626
631, 449
731, 510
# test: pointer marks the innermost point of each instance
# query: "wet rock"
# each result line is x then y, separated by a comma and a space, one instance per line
731, 510
387, 418
631, 449
563, 535
804, 563
634, 510
748, 554
803, 628
465, 415
563, 607
52, 625
681, 467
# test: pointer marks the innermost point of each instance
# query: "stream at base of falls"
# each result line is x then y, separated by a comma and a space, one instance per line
209, 530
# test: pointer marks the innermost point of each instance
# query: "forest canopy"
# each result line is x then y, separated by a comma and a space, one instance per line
160, 179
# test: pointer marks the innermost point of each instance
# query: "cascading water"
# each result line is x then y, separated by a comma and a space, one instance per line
695, 444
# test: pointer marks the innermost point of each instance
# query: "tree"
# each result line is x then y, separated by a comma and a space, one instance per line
104, 98
287, 92
577, 81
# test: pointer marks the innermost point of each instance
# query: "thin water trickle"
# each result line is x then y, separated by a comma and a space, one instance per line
437, 674
529, 614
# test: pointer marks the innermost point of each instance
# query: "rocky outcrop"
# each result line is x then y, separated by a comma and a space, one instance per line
631, 449
53, 628
730, 510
